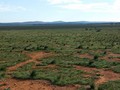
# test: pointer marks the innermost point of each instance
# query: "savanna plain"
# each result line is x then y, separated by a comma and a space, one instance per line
85, 57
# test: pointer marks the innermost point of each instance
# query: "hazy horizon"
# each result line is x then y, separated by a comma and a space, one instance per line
59, 21
59, 10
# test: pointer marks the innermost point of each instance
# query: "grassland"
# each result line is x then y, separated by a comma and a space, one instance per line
82, 56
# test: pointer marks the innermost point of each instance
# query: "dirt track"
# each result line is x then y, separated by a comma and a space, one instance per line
33, 56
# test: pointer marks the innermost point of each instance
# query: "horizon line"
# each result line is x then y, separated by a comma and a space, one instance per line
56, 21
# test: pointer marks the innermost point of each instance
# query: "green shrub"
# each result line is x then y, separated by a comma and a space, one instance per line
96, 57
111, 85
11, 58
2, 68
71, 60
116, 69
65, 60
21, 75
61, 76
2, 75
103, 64
26, 67
116, 50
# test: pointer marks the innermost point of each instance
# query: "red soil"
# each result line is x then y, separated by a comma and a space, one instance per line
32, 85
111, 57
86, 55
33, 56
105, 75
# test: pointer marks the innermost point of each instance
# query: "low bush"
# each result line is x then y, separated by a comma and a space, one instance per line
2, 68
61, 76
111, 85
2, 75
11, 58
116, 69
71, 60
65, 60
26, 67
21, 75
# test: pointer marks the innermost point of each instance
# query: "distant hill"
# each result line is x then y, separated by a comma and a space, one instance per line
54, 23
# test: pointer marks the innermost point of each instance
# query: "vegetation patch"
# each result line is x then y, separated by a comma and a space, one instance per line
71, 60
116, 69
61, 76
26, 67
111, 85
2, 75
96, 40
21, 75
10, 58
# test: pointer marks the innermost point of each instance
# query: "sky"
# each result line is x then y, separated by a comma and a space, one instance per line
59, 10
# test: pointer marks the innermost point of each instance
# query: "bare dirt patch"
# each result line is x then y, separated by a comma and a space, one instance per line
86, 69
86, 55
33, 85
105, 75
51, 66
111, 57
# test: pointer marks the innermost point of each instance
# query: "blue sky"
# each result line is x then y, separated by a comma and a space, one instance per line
59, 10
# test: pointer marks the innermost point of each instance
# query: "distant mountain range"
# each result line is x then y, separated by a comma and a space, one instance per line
53, 23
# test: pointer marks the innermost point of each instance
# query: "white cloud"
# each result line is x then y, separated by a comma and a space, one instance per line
9, 8
116, 6
63, 1
102, 6
85, 7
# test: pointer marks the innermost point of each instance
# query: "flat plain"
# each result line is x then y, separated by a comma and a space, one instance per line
83, 57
